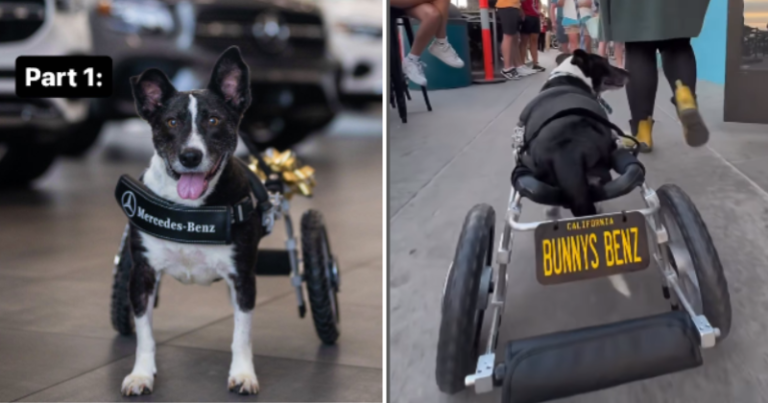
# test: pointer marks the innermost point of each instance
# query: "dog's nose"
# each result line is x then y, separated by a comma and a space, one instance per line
191, 157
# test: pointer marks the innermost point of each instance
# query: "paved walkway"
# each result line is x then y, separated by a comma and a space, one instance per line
444, 162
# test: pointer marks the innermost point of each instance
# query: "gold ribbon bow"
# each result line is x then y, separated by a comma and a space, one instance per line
298, 178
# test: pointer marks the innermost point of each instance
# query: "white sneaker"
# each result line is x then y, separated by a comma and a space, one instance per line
446, 53
525, 71
414, 71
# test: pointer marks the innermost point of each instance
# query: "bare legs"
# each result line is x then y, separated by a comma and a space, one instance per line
618, 53
430, 24
433, 16
511, 57
524, 41
533, 44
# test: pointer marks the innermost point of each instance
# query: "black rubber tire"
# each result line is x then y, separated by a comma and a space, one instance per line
23, 162
715, 298
317, 257
81, 138
457, 347
120, 312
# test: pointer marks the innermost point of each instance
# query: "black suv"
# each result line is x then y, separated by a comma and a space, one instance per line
283, 42
294, 80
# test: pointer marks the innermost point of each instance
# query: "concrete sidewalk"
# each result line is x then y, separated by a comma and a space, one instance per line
445, 161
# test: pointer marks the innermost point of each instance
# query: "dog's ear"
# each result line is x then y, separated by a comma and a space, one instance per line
580, 58
231, 80
150, 91
561, 58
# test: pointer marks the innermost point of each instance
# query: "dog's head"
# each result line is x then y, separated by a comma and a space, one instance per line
596, 71
195, 132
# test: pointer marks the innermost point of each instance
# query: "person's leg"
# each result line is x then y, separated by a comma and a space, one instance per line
601, 49
524, 41
587, 42
618, 53
429, 19
440, 47
641, 89
679, 64
573, 38
510, 26
429, 23
534, 41
442, 6
506, 51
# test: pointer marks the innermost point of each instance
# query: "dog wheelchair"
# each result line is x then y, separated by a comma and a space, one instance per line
552, 366
284, 177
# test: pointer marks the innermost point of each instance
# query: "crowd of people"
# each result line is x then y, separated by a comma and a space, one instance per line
574, 23
642, 28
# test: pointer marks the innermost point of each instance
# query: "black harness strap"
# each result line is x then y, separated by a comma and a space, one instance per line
566, 101
174, 222
578, 112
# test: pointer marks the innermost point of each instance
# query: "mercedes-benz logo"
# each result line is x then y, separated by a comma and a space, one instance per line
271, 32
129, 203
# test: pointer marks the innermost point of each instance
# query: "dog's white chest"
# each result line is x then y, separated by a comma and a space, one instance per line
189, 263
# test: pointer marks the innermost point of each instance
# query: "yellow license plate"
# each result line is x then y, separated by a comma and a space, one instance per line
586, 248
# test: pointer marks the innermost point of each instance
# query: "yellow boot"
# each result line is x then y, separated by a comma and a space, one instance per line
695, 131
642, 132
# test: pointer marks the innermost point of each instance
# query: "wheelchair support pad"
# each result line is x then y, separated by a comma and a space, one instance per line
631, 171
271, 262
578, 361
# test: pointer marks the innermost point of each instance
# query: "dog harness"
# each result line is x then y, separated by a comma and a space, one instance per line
555, 103
550, 105
203, 225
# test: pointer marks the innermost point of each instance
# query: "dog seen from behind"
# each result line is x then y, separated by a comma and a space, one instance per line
195, 135
573, 151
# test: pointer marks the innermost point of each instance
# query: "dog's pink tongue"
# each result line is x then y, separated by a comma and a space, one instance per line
191, 186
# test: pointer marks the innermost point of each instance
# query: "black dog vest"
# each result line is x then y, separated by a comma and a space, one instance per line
175, 222
555, 103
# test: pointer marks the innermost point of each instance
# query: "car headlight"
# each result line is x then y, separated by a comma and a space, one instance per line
358, 29
134, 16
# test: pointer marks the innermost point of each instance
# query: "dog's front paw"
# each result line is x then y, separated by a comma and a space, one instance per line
244, 383
137, 384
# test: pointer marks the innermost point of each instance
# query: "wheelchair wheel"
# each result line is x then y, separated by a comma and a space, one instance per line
464, 300
121, 315
321, 275
694, 257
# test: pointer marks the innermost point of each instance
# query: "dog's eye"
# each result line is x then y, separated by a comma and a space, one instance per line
172, 122
213, 121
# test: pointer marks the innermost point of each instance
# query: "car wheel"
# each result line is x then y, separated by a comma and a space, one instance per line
23, 162
81, 138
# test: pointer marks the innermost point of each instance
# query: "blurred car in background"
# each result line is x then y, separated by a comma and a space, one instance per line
33, 130
356, 40
293, 76
138, 35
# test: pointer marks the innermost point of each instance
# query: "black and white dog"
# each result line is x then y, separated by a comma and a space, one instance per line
195, 136
574, 151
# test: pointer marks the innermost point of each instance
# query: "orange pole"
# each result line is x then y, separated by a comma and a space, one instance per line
487, 44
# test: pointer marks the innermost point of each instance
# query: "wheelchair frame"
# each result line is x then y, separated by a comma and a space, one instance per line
483, 379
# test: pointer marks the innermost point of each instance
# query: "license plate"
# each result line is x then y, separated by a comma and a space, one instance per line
585, 248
